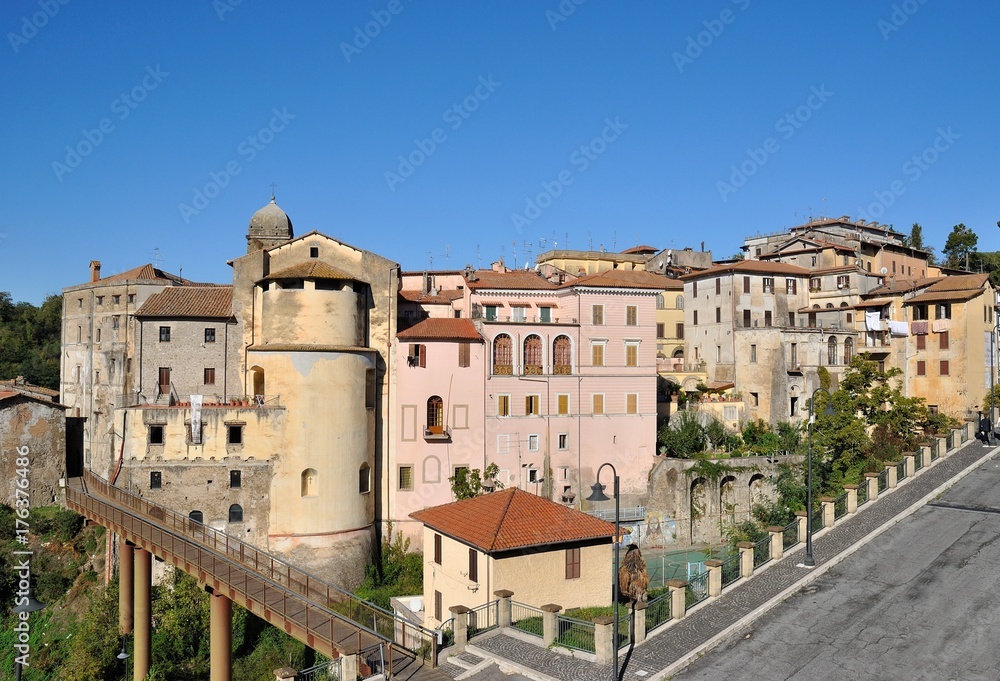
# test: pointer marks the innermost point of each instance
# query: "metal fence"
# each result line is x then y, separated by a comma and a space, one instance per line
863, 493
950, 440
446, 633
761, 552
657, 611
883, 480
840, 506
918, 460
817, 519
526, 618
790, 535
901, 470
574, 633
935, 452
484, 618
624, 630
325, 671
730, 570
696, 590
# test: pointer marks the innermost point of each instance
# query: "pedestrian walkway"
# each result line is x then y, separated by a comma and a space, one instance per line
669, 650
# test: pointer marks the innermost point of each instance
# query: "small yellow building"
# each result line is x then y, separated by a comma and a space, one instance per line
540, 550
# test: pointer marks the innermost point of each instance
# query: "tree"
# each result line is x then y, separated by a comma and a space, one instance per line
916, 242
961, 244
468, 483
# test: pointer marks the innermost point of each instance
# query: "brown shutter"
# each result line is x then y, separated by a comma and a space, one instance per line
422, 349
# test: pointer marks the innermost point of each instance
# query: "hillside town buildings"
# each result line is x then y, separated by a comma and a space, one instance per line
325, 392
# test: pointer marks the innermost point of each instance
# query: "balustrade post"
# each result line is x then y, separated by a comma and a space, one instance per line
603, 633
803, 525
852, 498
714, 568
550, 625
746, 558
284, 674
349, 667
639, 614
678, 601
871, 479
460, 626
829, 516
925, 451
909, 465
503, 607
890, 466
777, 541
943, 446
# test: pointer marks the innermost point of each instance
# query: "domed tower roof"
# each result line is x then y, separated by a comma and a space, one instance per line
269, 227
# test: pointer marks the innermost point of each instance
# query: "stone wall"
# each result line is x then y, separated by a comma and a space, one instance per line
36, 430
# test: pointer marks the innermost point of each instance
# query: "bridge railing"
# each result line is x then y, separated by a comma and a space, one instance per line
358, 612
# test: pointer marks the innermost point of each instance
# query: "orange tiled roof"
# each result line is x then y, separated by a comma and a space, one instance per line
512, 519
960, 282
309, 270
447, 328
640, 250
518, 280
621, 279
145, 273
442, 298
750, 267
189, 301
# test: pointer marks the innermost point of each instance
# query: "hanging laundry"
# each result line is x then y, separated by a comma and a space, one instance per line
940, 325
918, 328
899, 328
873, 322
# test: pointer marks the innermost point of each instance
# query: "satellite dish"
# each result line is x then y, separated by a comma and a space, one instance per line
416, 605
883, 270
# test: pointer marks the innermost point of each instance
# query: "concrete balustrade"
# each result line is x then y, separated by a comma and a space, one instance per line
460, 627
910, 465
678, 599
829, 516
603, 638
503, 607
746, 558
714, 577
942, 443
890, 466
550, 623
803, 525
640, 621
852, 498
777, 541
871, 479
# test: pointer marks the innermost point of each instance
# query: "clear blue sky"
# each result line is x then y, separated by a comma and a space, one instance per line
823, 104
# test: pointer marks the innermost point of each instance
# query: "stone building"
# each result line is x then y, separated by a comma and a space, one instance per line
32, 444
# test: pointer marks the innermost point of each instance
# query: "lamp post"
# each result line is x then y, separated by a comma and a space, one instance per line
124, 656
29, 606
808, 561
598, 495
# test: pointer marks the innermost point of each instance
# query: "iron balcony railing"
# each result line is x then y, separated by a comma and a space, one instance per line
863, 493
840, 506
731, 570
696, 590
883, 479
484, 618
626, 514
790, 535
657, 611
761, 552
574, 633
526, 618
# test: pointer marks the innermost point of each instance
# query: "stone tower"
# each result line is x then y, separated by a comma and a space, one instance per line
269, 227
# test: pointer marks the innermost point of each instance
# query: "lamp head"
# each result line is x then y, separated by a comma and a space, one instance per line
123, 655
829, 411
598, 493
31, 605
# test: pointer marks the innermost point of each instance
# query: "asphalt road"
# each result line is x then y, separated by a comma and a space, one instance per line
920, 601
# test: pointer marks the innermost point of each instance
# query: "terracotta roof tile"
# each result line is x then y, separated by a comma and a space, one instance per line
512, 519
189, 301
145, 273
621, 279
447, 328
517, 280
640, 250
309, 270
442, 298
750, 267
960, 282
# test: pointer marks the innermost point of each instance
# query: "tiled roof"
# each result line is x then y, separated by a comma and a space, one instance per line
19, 384
447, 328
750, 267
145, 273
442, 298
189, 301
621, 279
640, 250
960, 282
876, 302
517, 280
512, 519
939, 296
309, 270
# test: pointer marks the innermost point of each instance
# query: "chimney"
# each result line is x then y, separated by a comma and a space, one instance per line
95, 270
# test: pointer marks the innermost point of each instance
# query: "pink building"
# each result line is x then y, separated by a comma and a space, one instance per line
563, 379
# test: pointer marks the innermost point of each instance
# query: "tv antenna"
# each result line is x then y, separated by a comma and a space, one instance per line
157, 258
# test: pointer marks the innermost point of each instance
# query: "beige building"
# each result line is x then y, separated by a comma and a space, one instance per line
540, 550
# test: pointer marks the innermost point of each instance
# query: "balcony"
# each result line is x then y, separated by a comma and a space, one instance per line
437, 433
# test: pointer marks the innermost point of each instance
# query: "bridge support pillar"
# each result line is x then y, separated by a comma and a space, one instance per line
126, 567
221, 636
143, 614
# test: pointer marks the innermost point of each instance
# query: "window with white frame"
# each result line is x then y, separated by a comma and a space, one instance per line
532, 443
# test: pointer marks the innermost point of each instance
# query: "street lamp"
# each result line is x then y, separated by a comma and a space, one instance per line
809, 561
124, 656
29, 606
598, 495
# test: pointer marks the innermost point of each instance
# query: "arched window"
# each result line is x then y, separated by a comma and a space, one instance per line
364, 479
829, 306
660, 302
679, 302
257, 375
197, 516
503, 355
310, 482
236, 513
562, 356
848, 350
831, 354
532, 355
435, 415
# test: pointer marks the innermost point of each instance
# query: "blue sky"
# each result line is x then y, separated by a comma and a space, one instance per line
460, 132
